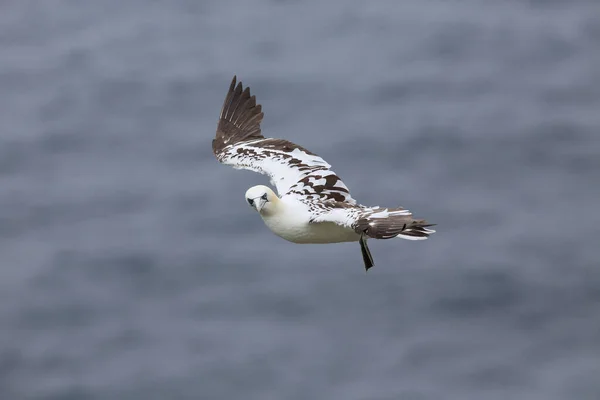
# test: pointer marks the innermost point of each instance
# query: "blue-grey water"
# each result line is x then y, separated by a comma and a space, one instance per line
131, 267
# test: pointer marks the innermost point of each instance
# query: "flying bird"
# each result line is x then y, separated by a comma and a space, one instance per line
313, 205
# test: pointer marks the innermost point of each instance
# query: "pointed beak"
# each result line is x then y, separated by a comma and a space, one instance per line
259, 203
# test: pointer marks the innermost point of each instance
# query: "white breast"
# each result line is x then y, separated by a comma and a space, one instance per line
292, 224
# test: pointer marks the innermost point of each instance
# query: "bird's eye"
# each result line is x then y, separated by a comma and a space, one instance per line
250, 201
264, 196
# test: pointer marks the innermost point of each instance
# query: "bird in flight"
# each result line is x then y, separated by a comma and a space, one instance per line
313, 205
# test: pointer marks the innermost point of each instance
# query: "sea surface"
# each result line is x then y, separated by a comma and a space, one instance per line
131, 267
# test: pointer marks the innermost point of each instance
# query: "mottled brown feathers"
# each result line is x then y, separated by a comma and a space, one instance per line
240, 121
283, 145
292, 168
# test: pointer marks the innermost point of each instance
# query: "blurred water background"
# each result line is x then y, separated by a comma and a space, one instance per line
131, 268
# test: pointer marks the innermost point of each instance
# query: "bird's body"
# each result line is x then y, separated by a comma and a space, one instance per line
292, 223
314, 205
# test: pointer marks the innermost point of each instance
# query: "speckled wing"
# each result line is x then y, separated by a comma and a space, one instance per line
293, 170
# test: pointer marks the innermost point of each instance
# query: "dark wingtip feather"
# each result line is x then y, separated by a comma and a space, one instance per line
240, 117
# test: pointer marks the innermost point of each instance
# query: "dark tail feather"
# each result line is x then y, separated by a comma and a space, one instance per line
366, 253
394, 223
418, 230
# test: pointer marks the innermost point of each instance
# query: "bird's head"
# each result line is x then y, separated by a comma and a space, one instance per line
262, 199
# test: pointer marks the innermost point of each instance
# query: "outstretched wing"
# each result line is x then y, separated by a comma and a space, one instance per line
293, 170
